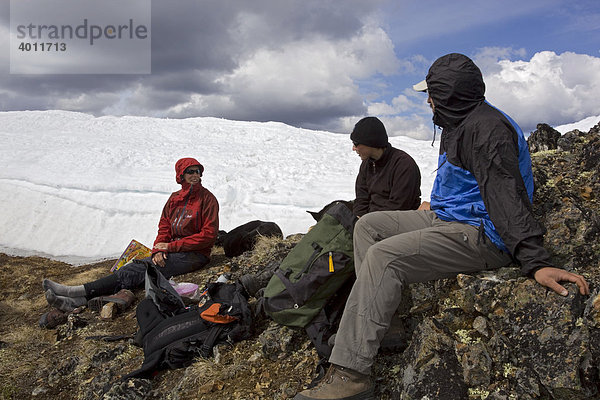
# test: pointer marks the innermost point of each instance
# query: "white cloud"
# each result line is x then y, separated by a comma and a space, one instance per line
487, 58
400, 104
414, 126
300, 76
550, 88
405, 115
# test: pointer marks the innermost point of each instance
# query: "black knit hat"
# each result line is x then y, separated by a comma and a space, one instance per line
370, 132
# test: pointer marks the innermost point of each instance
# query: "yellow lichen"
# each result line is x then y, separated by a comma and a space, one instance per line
478, 393
464, 337
509, 369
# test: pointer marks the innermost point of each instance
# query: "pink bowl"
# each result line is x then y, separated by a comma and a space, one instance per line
186, 289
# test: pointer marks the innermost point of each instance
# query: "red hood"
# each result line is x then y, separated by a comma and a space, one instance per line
183, 164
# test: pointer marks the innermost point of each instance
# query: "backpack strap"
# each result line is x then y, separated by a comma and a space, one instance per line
296, 292
318, 331
206, 349
326, 322
161, 292
343, 215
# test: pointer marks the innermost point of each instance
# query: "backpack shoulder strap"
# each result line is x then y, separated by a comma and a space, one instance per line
206, 350
343, 215
319, 331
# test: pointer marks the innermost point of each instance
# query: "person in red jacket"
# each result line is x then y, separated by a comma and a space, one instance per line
187, 231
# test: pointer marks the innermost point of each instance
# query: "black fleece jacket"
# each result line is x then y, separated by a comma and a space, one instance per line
391, 183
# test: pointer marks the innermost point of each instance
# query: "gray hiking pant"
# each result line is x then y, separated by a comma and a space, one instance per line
391, 250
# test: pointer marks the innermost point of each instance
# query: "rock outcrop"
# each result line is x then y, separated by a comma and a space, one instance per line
544, 138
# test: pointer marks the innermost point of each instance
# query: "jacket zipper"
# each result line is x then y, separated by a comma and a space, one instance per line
178, 219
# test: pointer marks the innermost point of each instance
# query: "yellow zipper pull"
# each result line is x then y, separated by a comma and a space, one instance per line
330, 262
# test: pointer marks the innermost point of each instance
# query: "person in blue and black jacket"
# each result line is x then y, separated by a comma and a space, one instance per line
479, 218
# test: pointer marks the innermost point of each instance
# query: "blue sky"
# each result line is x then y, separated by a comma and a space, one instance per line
323, 64
553, 25
470, 26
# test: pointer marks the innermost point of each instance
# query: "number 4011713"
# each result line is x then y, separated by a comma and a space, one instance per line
43, 46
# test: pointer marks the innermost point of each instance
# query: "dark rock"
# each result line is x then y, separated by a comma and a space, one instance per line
476, 363
279, 341
39, 391
431, 368
544, 336
569, 140
544, 138
101, 383
567, 187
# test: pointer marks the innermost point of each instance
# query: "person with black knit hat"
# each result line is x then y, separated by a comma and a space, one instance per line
389, 179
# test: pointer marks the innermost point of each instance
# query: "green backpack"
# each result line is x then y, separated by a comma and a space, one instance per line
313, 272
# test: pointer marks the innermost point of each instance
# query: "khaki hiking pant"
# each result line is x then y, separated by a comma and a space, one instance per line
391, 250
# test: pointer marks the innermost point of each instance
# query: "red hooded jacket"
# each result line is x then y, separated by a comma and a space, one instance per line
190, 219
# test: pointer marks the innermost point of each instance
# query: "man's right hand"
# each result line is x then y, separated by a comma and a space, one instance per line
159, 258
424, 206
550, 276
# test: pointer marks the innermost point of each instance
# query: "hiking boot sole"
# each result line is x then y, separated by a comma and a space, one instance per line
97, 303
122, 304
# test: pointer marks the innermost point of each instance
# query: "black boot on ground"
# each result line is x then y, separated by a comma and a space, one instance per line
254, 282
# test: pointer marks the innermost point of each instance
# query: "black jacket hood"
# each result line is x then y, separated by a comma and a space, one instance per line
456, 86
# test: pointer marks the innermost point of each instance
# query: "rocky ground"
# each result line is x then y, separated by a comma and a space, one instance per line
494, 335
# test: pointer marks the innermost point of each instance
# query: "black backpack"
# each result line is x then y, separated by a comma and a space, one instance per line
172, 337
243, 238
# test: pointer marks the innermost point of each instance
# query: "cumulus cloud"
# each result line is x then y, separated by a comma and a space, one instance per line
550, 88
488, 58
407, 114
302, 81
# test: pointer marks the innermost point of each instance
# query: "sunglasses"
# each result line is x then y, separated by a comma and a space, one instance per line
192, 171
355, 144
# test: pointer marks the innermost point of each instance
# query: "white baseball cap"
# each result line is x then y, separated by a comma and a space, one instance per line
421, 86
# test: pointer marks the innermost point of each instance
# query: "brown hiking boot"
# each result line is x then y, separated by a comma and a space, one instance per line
340, 383
123, 299
52, 319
